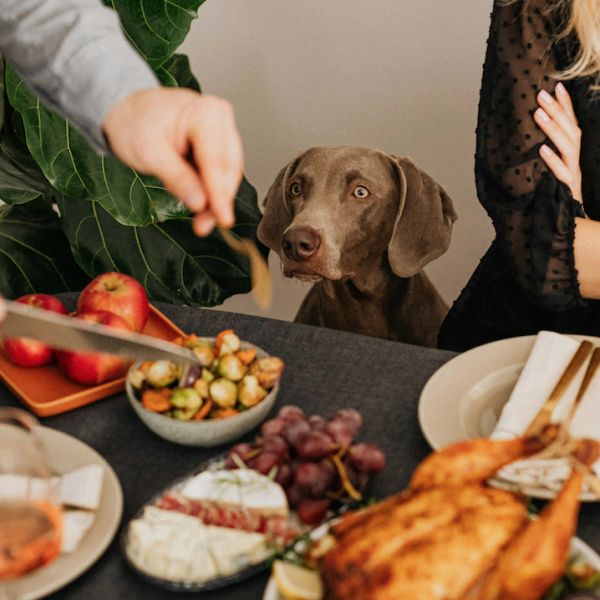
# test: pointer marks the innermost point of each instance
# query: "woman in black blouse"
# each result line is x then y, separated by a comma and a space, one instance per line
539, 108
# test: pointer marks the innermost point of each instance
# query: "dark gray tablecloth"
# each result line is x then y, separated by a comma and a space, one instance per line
325, 370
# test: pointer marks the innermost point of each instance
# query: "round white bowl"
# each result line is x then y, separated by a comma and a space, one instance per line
205, 433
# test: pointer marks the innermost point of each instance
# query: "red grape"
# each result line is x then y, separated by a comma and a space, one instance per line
284, 475
315, 445
312, 512
291, 413
316, 422
339, 432
295, 494
350, 417
275, 444
294, 431
314, 478
242, 450
273, 427
266, 461
367, 458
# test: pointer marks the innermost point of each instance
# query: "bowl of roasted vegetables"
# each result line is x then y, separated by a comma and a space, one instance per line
226, 394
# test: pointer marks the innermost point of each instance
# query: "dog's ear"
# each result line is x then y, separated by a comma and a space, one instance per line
423, 222
277, 216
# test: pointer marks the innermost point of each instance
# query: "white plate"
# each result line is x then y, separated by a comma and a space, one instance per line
66, 453
578, 548
463, 399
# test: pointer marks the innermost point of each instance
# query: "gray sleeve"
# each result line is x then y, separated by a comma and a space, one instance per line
74, 55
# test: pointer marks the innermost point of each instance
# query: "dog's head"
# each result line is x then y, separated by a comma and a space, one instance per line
334, 207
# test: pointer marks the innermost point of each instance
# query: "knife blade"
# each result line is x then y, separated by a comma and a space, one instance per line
67, 333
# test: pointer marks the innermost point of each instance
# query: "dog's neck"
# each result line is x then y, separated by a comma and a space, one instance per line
374, 277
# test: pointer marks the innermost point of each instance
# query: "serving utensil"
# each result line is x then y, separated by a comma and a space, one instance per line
67, 333
262, 283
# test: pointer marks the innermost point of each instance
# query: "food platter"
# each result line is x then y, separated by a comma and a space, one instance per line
216, 464
464, 398
66, 453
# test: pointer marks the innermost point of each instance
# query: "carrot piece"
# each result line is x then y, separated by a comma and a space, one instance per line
146, 365
219, 338
165, 392
192, 337
224, 413
178, 341
204, 410
246, 356
155, 400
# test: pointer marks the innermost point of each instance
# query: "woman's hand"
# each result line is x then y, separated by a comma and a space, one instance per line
556, 118
156, 130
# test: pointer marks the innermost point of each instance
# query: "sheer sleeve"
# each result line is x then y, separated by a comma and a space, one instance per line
533, 213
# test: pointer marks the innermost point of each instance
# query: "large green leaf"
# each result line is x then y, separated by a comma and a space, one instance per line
167, 258
34, 252
75, 170
156, 27
21, 179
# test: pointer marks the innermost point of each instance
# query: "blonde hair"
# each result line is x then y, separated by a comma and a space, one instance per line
581, 18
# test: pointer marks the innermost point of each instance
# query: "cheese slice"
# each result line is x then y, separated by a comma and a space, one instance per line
262, 494
234, 550
242, 487
216, 486
170, 545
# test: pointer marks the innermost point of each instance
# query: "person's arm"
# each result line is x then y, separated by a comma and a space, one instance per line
534, 213
74, 55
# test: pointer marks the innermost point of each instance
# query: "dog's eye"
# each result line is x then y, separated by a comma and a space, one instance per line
295, 189
361, 192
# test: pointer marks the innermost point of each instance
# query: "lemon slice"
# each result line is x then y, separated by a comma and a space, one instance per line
297, 583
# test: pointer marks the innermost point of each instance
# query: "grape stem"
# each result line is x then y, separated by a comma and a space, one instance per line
337, 461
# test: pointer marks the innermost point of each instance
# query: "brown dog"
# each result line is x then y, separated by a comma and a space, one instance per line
361, 224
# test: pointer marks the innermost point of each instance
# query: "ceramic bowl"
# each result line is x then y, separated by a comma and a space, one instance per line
208, 432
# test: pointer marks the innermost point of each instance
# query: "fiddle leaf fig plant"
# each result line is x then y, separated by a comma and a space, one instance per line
71, 214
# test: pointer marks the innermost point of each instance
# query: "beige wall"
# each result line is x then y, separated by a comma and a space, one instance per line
399, 75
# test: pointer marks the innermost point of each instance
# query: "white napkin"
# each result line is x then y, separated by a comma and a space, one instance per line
547, 361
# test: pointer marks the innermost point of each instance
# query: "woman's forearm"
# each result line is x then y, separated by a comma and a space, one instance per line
587, 256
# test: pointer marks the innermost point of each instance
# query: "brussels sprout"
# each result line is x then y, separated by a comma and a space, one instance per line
267, 370
203, 351
186, 402
207, 375
162, 373
201, 387
231, 366
230, 343
223, 392
137, 378
250, 391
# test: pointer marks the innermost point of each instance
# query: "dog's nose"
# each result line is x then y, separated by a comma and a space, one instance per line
301, 243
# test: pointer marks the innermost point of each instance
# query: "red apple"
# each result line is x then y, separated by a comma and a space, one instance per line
117, 293
90, 368
27, 352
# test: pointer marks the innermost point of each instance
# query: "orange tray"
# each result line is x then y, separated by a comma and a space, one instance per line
46, 391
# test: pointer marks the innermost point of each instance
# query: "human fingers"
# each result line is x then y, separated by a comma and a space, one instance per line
561, 171
217, 151
567, 146
564, 99
558, 113
180, 178
203, 223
